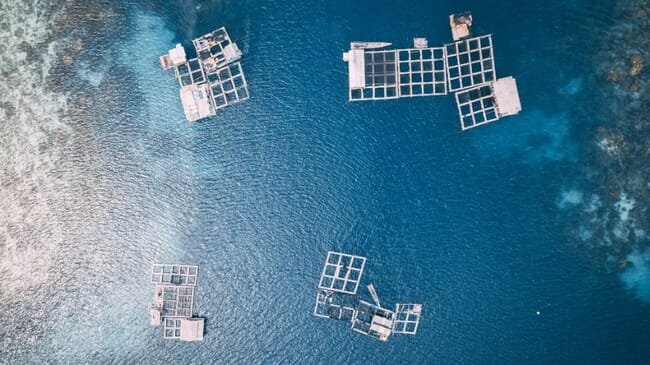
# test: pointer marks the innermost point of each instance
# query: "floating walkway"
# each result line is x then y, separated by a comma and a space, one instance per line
337, 299
173, 300
464, 67
211, 81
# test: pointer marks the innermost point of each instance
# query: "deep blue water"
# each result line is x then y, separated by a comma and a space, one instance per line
465, 223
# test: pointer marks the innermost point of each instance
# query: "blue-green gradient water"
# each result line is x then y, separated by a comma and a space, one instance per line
102, 177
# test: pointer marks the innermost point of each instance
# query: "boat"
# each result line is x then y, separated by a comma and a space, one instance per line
368, 45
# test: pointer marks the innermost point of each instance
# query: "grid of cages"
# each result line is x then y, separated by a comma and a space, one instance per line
381, 77
476, 106
470, 62
209, 48
174, 274
228, 85
190, 72
342, 272
407, 318
336, 306
172, 328
422, 72
177, 301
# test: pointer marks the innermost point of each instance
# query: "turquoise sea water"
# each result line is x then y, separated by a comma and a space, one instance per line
102, 177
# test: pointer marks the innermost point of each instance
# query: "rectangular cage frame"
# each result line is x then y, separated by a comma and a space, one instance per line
177, 274
399, 73
470, 62
380, 72
172, 328
407, 318
190, 72
210, 48
228, 85
422, 72
342, 272
177, 301
334, 306
476, 106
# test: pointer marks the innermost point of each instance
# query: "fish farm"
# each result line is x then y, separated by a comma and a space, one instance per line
464, 67
173, 301
211, 81
337, 299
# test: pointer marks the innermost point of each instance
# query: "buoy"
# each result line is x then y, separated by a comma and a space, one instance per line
538, 313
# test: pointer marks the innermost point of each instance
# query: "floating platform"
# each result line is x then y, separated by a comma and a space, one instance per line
373, 320
461, 25
211, 81
173, 301
460, 67
184, 329
337, 299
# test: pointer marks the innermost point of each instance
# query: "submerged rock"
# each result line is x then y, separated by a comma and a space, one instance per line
78, 45
641, 13
67, 60
636, 65
613, 75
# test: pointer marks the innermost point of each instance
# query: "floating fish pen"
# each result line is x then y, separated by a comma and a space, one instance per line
173, 301
211, 81
464, 67
337, 299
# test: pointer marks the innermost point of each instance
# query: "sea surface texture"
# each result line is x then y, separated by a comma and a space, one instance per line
101, 176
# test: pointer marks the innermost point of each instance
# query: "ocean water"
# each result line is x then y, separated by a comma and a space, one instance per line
102, 177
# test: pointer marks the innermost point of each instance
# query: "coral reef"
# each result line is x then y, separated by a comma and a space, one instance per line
616, 173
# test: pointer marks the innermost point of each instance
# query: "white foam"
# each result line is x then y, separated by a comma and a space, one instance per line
636, 276
570, 198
